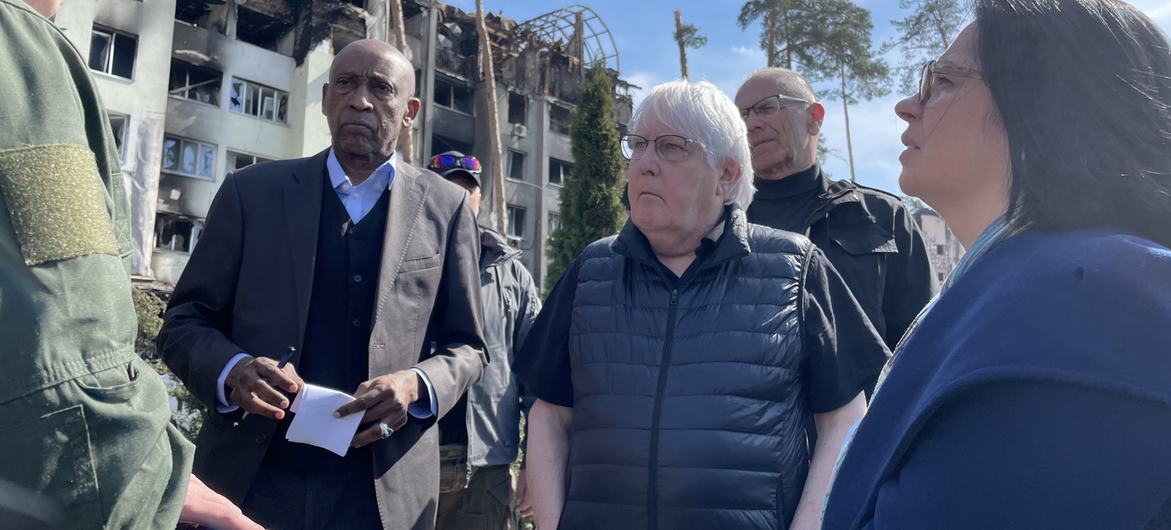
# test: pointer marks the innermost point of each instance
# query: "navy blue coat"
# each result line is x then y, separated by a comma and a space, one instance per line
1036, 394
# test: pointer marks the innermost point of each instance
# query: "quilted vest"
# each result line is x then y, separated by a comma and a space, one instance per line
689, 407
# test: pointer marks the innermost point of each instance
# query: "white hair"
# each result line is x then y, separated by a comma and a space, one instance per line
702, 112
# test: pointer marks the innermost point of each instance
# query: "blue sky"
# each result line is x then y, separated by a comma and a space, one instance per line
642, 32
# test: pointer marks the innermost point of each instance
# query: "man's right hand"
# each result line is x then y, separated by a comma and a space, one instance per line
255, 382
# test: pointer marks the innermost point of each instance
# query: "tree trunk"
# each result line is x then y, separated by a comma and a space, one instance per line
399, 35
679, 41
494, 157
846, 112
771, 22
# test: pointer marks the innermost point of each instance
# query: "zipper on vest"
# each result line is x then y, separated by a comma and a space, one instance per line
653, 460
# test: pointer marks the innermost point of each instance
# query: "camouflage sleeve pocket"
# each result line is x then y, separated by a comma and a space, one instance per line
56, 202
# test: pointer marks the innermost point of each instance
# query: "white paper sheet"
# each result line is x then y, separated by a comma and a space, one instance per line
313, 421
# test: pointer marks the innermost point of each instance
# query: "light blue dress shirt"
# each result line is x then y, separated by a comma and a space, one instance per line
358, 201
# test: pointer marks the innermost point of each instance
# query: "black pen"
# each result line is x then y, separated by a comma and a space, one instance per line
285, 358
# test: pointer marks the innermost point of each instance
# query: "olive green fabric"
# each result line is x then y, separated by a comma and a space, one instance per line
55, 203
83, 421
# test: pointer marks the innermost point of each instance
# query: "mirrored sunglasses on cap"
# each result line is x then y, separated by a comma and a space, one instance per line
446, 162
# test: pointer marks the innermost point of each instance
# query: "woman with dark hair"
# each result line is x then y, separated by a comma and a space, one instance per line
1035, 391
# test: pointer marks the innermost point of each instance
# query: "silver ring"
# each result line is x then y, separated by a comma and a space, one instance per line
384, 430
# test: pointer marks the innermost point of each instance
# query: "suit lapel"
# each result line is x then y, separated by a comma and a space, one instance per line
404, 209
302, 201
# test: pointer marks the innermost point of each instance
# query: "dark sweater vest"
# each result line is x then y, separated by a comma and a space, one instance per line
335, 353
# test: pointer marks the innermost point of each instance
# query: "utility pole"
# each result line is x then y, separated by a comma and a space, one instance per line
494, 156
399, 35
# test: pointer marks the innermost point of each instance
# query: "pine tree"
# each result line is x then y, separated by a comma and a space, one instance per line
823, 40
686, 36
590, 197
924, 33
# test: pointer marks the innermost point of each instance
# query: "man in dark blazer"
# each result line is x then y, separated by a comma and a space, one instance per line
351, 264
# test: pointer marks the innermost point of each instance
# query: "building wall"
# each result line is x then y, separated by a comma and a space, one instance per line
141, 99
160, 198
943, 249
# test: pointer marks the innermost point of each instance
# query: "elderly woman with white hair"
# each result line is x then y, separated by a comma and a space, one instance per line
679, 364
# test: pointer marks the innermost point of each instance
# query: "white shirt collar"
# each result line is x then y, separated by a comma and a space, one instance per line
380, 179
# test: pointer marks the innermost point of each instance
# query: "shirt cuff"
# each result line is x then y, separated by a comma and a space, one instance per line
224, 403
417, 409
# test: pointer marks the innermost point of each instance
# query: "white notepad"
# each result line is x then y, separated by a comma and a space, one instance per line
313, 421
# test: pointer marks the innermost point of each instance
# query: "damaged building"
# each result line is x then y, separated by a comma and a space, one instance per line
196, 89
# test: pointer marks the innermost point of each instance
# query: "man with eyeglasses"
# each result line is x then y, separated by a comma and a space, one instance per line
867, 234
480, 438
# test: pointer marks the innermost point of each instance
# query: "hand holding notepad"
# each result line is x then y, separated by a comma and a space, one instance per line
313, 421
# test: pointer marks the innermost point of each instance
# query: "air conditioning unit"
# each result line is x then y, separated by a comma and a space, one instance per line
519, 130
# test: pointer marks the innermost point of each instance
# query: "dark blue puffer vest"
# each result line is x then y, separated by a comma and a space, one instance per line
689, 410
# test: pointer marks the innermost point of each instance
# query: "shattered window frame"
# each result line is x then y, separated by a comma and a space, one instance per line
234, 158
260, 29
516, 222
518, 108
259, 101
554, 222
559, 118
561, 168
445, 95
176, 162
105, 58
168, 226
118, 128
516, 165
210, 87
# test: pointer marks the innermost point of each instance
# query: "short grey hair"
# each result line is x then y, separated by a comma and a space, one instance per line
706, 114
787, 81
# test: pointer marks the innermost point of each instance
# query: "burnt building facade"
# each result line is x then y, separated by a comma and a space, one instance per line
197, 89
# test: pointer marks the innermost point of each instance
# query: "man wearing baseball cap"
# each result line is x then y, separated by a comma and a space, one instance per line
480, 438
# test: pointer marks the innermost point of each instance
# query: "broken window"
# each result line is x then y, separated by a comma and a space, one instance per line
517, 113
190, 11
176, 232
558, 119
554, 222
195, 82
516, 165
516, 222
238, 161
259, 29
453, 95
258, 100
118, 128
559, 170
188, 158
112, 52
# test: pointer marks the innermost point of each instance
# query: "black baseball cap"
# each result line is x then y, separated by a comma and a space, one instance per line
455, 163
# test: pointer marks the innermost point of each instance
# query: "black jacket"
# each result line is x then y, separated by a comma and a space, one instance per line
872, 241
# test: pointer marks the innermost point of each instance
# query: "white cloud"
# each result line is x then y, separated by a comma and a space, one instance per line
755, 53
645, 81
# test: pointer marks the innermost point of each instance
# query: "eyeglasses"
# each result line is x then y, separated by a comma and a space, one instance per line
670, 147
932, 72
446, 162
770, 105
